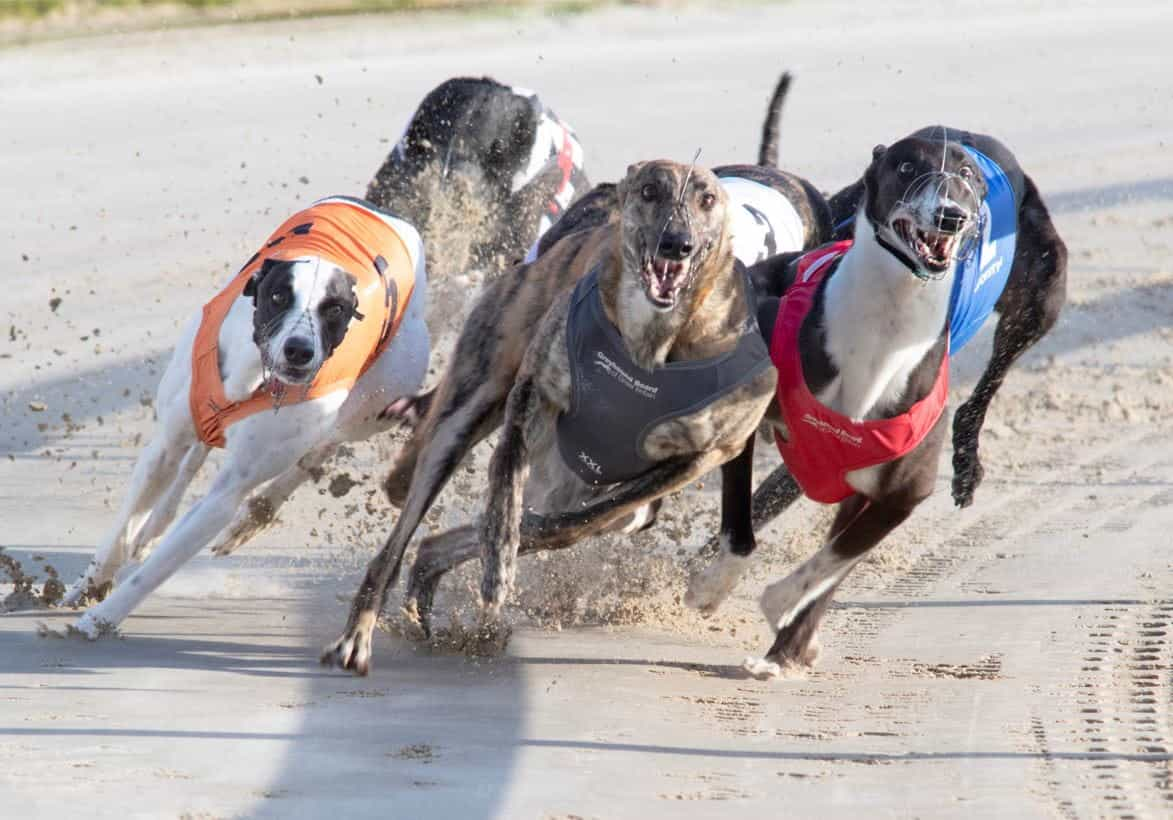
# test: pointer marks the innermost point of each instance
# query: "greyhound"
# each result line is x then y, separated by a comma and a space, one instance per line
504, 148
646, 321
325, 323
861, 337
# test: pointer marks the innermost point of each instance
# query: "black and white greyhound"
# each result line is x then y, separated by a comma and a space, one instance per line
947, 228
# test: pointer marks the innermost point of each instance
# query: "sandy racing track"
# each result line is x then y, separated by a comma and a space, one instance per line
1010, 660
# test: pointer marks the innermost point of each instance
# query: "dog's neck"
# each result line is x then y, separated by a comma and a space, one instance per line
879, 323
704, 324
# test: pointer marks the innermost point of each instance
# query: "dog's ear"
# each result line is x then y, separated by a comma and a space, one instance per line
625, 183
250, 287
355, 312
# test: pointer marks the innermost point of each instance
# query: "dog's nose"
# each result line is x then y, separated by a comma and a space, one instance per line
951, 219
675, 245
298, 351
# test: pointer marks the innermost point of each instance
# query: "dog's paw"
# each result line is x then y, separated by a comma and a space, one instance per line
709, 588
90, 626
761, 668
86, 593
352, 651
416, 625
408, 410
766, 669
967, 477
254, 518
490, 638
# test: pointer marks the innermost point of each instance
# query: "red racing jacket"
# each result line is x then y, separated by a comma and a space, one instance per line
824, 446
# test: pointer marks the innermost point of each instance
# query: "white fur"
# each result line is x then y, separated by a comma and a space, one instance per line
880, 321
711, 586
260, 448
749, 235
782, 601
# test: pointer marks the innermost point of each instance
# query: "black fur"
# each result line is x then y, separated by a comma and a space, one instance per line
481, 130
271, 289
1028, 308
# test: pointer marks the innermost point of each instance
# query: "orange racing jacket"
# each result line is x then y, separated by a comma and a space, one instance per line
354, 236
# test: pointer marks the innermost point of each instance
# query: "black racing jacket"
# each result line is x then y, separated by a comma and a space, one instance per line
615, 403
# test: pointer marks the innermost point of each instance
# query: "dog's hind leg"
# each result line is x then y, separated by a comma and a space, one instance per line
437, 555
164, 512
154, 472
259, 512
709, 588
795, 605
1028, 308
462, 415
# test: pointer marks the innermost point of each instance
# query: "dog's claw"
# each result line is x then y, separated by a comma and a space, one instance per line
491, 637
352, 651
417, 625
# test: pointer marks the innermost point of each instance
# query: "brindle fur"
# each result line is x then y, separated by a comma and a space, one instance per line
502, 368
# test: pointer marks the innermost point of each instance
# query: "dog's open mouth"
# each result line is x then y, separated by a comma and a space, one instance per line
934, 249
664, 279
293, 375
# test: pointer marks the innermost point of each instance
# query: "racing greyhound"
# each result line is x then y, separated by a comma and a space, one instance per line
948, 228
499, 145
646, 323
324, 323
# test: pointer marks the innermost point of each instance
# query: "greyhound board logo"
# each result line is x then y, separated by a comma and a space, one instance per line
610, 368
831, 430
590, 463
988, 255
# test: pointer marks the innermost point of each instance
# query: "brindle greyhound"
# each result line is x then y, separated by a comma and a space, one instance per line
639, 310
938, 212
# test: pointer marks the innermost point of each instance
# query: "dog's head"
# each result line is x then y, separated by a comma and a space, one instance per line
302, 309
455, 168
475, 127
673, 218
924, 201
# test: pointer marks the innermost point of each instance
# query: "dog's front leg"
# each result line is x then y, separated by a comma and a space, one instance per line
795, 605
709, 588
201, 523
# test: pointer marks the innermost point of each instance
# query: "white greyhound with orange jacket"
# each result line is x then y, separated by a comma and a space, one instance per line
319, 330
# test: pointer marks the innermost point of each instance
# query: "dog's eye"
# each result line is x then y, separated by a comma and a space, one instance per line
279, 298
905, 169
333, 311
708, 201
648, 192
966, 172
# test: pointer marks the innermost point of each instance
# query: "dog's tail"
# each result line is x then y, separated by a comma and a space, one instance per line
768, 153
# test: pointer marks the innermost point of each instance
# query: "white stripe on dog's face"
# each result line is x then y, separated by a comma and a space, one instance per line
297, 323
